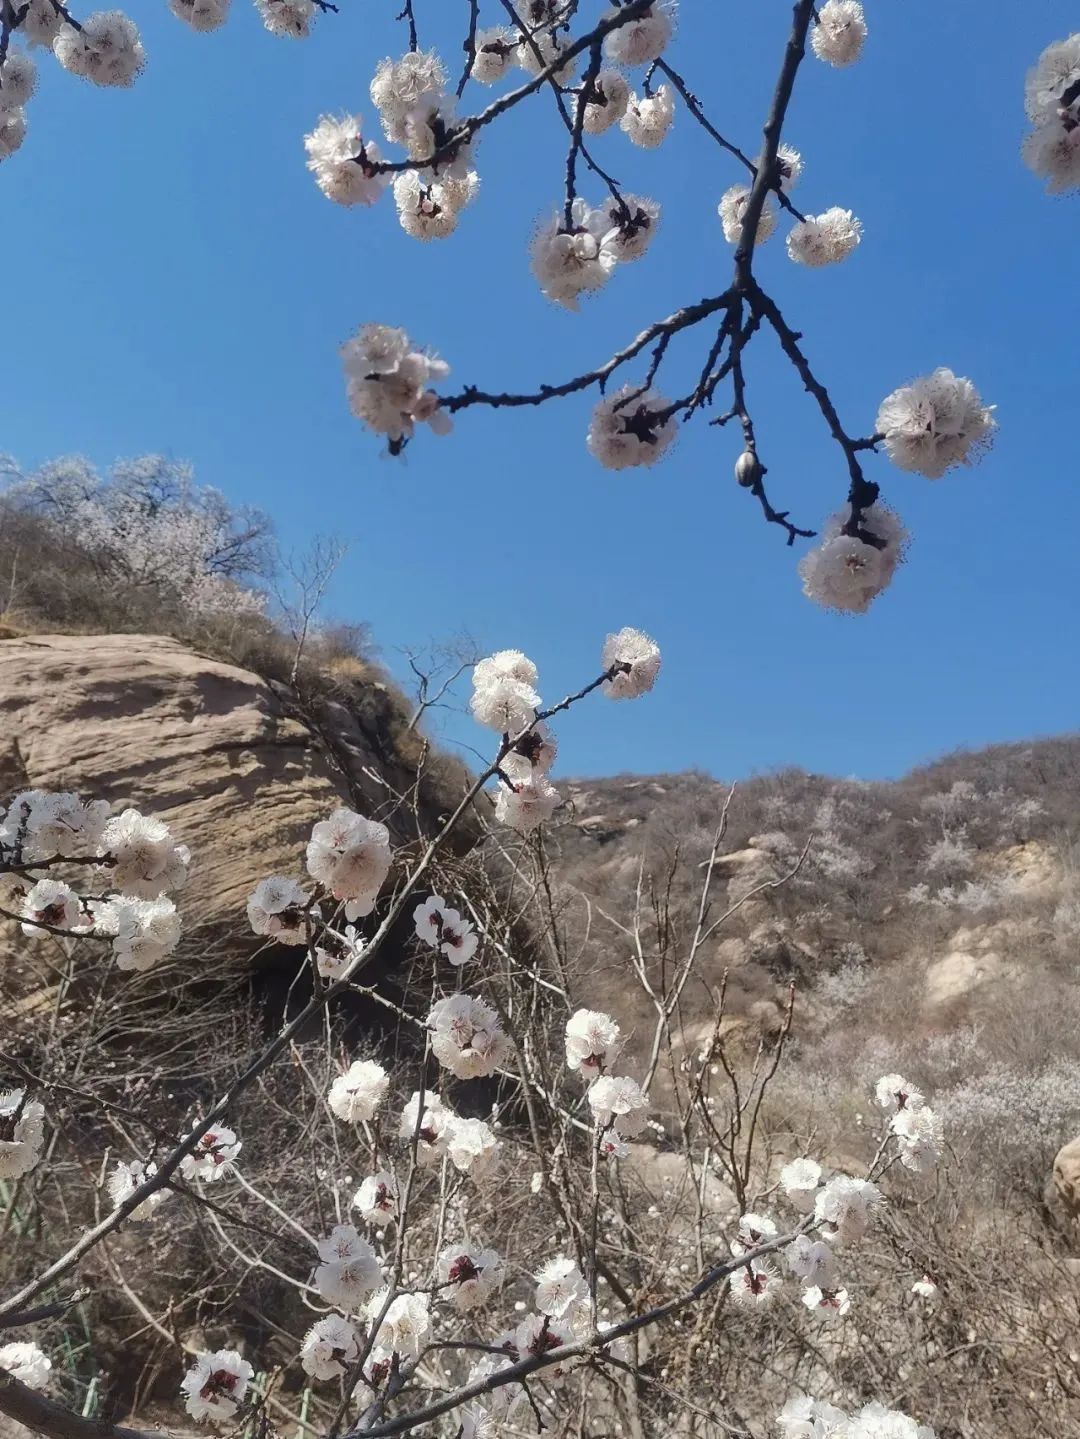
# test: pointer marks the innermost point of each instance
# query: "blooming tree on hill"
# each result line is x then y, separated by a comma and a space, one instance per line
401, 1270
604, 66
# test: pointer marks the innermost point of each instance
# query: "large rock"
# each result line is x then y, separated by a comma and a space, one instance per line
143, 720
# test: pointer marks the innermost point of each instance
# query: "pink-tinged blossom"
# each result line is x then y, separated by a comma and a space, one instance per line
215, 1385
934, 423
647, 119
357, 1095
631, 427
213, 1156
592, 1040
634, 657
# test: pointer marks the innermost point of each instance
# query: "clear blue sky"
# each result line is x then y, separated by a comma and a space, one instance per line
175, 282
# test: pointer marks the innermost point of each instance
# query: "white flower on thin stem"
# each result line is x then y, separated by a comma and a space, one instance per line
755, 1285
892, 1092
41, 22
753, 1231
618, 1102
12, 132
471, 1146
466, 1036
790, 164
806, 1418
43, 825
1052, 151
388, 383
526, 804
278, 908
22, 1133
406, 1325
146, 862
628, 226
827, 1305
541, 49
635, 656
845, 1207
560, 1287
642, 40
428, 208
631, 427
343, 162
648, 118
356, 1095
288, 18
1057, 70
838, 36
934, 423
537, 1334
18, 80
123, 1181
812, 1261
330, 1348
799, 1180
569, 261
106, 49
532, 753
732, 209
468, 1273
399, 86
145, 931
496, 51
925, 1288
351, 856
431, 1127
53, 903
213, 1156
215, 1385
824, 239
918, 1133
592, 1040
503, 703
349, 1271
335, 952
201, 15
24, 1361
505, 664
845, 572
377, 1198
443, 928
609, 95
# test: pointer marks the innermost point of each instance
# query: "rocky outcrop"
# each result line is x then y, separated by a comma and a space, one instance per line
214, 750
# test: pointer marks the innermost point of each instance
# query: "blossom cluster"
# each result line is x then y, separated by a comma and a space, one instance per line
806, 1418
1052, 101
505, 699
135, 854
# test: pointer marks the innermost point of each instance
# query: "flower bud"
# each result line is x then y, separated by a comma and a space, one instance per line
748, 469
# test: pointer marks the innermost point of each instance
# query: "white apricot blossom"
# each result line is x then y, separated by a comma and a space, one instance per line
531, 753
560, 1288
845, 572
468, 1274
399, 86
351, 856
343, 162
839, 32
215, 1385
571, 260
125, 1177
732, 209
799, 1180
641, 40
502, 699
44, 825
755, 1285
826, 1305
145, 861
41, 22
388, 383
471, 1146
1052, 151
893, 1092
647, 119
466, 1036
634, 658
608, 97
428, 208
405, 1326
631, 427
349, 1270
144, 931
18, 80
357, 1095
278, 908
824, 239
51, 904
105, 49
845, 1207
628, 225
618, 1102
201, 15
439, 925
330, 1348
934, 423
918, 1132
496, 52
1056, 72
753, 1231
377, 1198
12, 132
526, 804
22, 1133
287, 18
213, 1156
26, 1362
592, 1040
811, 1260
430, 1125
